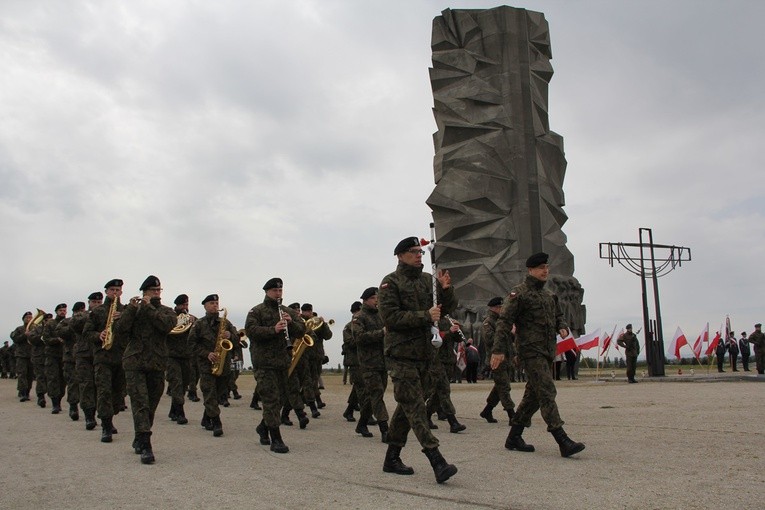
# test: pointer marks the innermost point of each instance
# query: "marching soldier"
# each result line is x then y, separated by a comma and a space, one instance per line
5, 363
84, 366
500, 392
24, 370
35, 338
271, 329
145, 324
357, 397
316, 353
54, 358
204, 337
537, 317
408, 313
178, 364
438, 387
69, 336
305, 373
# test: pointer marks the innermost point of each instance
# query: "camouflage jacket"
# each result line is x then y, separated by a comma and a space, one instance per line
91, 333
537, 317
19, 337
34, 336
82, 347
178, 346
445, 355
65, 332
203, 336
350, 356
369, 339
488, 334
757, 339
630, 343
404, 300
268, 348
145, 328
54, 344
319, 336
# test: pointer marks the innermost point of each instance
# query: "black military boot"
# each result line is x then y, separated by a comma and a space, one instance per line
262, 431
106, 430
217, 426
314, 411
393, 463
514, 440
361, 427
206, 422
90, 419
454, 425
302, 418
319, 403
568, 447
41, 400
137, 446
74, 414
173, 414
237, 396
180, 415
254, 402
431, 425
348, 414
383, 430
277, 445
486, 414
286, 416
24, 396
442, 469
510, 414
56, 402
193, 396
147, 455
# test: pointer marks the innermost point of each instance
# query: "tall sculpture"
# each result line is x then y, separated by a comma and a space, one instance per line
498, 167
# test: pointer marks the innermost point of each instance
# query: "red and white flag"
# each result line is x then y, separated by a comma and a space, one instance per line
589, 341
703, 337
607, 341
565, 344
714, 342
678, 341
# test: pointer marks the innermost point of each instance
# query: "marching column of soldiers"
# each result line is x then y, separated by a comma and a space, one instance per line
398, 331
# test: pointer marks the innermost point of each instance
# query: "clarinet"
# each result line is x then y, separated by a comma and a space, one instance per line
459, 331
282, 313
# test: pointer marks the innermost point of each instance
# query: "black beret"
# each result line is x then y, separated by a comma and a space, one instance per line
150, 281
537, 259
368, 293
307, 307
25, 314
405, 244
96, 295
59, 307
295, 306
211, 297
181, 299
79, 305
355, 307
116, 282
273, 283
495, 301
628, 326
758, 325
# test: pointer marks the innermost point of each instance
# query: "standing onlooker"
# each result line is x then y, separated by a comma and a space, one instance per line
570, 364
733, 351
473, 359
631, 344
743, 346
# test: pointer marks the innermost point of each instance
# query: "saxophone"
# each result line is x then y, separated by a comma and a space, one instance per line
109, 339
222, 346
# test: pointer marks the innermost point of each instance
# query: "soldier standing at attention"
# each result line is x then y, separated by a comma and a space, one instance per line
271, 329
204, 337
757, 339
500, 392
145, 324
178, 364
743, 345
629, 341
83, 361
23, 354
406, 306
537, 317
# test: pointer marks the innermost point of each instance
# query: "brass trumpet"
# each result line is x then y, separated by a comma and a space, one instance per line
314, 323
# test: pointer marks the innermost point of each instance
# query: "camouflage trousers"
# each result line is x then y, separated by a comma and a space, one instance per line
759, 359
110, 388
439, 391
375, 384
86, 380
408, 389
72, 386
501, 390
301, 377
539, 395
178, 377
315, 365
41, 384
631, 367
54, 376
145, 389
193, 376
359, 395
231, 381
25, 374
212, 388
272, 389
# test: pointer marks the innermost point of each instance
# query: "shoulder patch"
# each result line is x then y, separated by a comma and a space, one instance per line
384, 285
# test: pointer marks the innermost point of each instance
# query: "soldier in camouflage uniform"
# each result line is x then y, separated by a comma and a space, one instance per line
35, 338
23, 354
84, 366
316, 354
358, 396
54, 358
204, 336
408, 312
108, 371
537, 317
271, 329
69, 336
5, 364
500, 392
237, 356
631, 344
439, 388
144, 325
178, 364
757, 339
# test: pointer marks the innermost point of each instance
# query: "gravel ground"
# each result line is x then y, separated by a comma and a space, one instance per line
677, 442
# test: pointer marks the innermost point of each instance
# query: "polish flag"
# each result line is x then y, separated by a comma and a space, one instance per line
565, 344
703, 337
714, 342
585, 342
607, 342
678, 341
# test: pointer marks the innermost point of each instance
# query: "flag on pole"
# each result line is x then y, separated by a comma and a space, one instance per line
714, 342
589, 341
607, 341
565, 344
678, 341
703, 337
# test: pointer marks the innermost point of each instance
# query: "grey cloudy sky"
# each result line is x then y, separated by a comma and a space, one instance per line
218, 144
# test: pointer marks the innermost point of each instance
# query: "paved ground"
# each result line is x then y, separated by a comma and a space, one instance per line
657, 444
